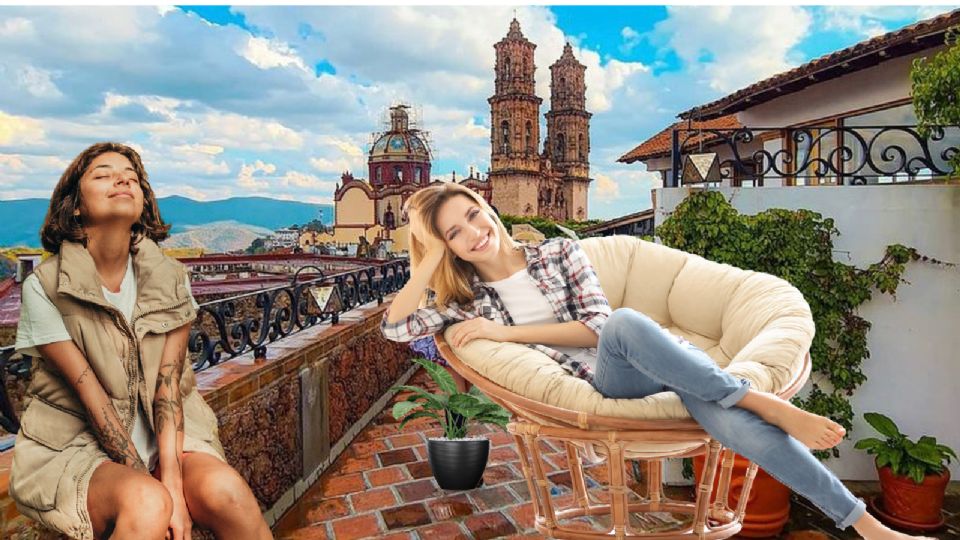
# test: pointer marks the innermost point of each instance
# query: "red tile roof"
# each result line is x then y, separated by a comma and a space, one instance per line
661, 144
921, 35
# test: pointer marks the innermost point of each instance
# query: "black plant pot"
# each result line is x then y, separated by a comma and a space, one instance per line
458, 464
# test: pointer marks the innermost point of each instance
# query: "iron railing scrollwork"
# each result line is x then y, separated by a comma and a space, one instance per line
844, 155
232, 326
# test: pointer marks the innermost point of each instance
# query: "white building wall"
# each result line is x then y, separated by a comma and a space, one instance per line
913, 373
886, 82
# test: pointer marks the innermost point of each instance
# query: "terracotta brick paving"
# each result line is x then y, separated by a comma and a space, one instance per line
382, 487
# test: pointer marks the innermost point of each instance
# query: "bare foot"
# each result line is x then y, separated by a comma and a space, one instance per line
814, 431
871, 529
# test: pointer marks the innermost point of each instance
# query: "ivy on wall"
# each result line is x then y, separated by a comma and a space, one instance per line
797, 245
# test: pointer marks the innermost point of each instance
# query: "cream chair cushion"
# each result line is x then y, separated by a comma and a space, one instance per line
754, 325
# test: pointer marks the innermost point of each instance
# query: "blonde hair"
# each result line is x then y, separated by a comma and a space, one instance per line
451, 282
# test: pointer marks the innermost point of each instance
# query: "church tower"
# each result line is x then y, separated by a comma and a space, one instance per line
515, 126
568, 131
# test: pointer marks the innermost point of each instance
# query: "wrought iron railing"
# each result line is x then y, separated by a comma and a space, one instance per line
816, 155
232, 326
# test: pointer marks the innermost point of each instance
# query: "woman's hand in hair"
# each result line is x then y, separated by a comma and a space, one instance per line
479, 328
419, 230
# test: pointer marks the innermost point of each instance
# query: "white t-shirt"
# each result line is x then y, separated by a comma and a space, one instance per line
527, 305
41, 323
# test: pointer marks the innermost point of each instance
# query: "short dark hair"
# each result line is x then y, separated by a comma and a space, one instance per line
61, 224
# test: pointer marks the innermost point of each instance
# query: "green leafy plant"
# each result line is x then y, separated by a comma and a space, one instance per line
797, 245
934, 83
443, 405
903, 456
547, 226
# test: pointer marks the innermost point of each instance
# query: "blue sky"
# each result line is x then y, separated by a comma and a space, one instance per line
279, 101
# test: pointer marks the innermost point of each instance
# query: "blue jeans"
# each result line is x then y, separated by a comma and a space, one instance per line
636, 358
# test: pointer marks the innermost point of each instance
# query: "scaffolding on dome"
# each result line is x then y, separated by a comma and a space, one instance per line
414, 120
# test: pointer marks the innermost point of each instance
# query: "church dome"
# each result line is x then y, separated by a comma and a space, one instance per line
401, 143
401, 146
400, 155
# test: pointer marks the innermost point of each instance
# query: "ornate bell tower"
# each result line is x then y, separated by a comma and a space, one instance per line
568, 131
515, 126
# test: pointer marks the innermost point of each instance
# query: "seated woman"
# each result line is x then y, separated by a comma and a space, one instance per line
466, 271
116, 442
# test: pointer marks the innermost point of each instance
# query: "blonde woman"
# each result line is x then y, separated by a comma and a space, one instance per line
466, 271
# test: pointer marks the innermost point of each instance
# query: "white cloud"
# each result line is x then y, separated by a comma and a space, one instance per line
337, 166
870, 21
16, 27
11, 162
38, 82
306, 181
732, 47
19, 130
231, 131
246, 178
631, 38
607, 189
266, 53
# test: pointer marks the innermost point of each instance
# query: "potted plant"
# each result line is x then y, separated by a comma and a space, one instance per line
913, 478
457, 461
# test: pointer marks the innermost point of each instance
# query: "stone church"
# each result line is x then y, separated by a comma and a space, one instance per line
526, 181
523, 180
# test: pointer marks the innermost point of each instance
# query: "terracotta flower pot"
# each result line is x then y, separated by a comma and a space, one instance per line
768, 505
911, 503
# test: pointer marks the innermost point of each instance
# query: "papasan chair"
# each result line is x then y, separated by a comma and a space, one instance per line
754, 325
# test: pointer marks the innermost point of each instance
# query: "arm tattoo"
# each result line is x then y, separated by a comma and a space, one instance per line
114, 439
82, 375
167, 405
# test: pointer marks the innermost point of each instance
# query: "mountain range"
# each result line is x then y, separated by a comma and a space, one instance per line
20, 220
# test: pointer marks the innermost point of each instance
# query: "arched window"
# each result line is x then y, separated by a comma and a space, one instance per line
581, 148
397, 173
529, 134
561, 147
504, 137
506, 67
379, 175
418, 174
523, 75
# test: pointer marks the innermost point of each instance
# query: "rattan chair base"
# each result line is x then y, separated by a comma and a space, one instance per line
710, 522
534, 421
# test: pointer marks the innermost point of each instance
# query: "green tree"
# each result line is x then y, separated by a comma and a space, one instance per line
256, 247
936, 98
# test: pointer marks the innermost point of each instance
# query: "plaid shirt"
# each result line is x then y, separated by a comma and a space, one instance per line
564, 276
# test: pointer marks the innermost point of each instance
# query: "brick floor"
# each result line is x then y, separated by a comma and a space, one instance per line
382, 487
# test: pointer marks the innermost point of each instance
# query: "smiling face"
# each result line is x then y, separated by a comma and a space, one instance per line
110, 191
469, 232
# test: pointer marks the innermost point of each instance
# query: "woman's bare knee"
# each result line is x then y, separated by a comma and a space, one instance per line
216, 492
145, 511
124, 503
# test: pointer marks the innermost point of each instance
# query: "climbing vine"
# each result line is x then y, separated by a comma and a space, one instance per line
797, 245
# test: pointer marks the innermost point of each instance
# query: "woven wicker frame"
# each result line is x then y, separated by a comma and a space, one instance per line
533, 421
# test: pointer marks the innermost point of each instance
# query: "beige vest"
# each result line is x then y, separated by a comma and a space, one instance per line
125, 358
